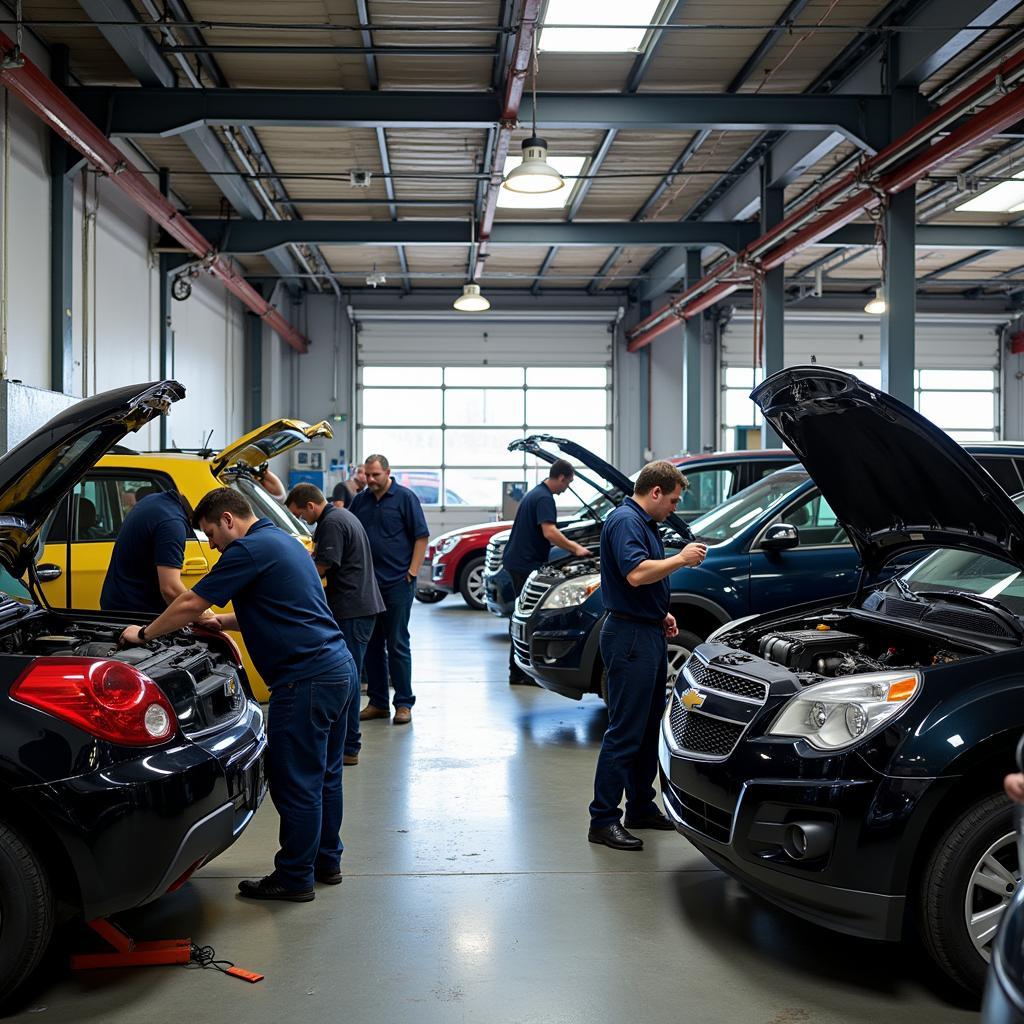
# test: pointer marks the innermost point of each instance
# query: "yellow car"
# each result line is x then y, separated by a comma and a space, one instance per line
78, 539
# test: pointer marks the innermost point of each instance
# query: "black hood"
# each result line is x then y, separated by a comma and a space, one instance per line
35, 475
894, 480
622, 486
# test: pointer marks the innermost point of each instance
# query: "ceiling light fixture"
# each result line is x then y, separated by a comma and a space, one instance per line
877, 306
534, 176
472, 300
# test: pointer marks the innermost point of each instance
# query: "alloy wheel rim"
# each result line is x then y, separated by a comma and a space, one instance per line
475, 584
992, 884
677, 658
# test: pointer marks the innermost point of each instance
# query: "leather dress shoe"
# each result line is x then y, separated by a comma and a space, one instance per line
616, 837
656, 821
403, 716
328, 877
371, 711
268, 888
349, 759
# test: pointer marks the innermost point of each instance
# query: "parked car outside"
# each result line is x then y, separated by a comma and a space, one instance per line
426, 485
845, 759
124, 770
78, 537
713, 477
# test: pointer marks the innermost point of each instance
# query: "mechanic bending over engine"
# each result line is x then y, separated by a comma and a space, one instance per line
635, 591
297, 648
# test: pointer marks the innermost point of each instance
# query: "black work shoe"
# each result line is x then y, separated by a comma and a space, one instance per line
616, 837
656, 821
268, 888
328, 877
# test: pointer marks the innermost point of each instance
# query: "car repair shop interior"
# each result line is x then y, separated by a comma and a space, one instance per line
774, 245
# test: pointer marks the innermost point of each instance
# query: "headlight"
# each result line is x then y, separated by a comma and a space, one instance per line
572, 592
728, 626
448, 544
841, 712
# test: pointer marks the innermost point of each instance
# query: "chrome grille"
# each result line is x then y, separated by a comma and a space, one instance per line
702, 734
724, 682
492, 557
522, 651
532, 595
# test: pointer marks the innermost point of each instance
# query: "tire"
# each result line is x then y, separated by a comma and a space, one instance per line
471, 583
26, 911
679, 650
976, 856
430, 596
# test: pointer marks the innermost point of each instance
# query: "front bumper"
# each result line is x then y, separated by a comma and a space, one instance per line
134, 829
424, 580
442, 575
560, 651
499, 594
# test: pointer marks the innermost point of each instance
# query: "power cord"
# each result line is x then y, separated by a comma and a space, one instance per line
204, 957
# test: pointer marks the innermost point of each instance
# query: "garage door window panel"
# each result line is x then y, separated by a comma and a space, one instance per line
420, 407
485, 407
402, 376
483, 376
571, 408
410, 447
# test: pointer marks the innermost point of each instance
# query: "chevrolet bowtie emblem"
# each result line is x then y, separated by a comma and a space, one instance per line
693, 699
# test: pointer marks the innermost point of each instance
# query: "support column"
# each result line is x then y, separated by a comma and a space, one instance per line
63, 161
692, 440
898, 347
254, 370
774, 294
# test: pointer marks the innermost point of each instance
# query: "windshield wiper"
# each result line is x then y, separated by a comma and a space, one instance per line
988, 603
904, 589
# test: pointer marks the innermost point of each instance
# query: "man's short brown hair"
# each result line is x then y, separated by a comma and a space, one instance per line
218, 501
303, 494
659, 474
561, 468
382, 460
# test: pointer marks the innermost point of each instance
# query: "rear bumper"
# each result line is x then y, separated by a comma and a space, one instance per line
132, 830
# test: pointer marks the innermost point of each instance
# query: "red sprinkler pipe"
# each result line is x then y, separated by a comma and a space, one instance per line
887, 172
53, 107
514, 84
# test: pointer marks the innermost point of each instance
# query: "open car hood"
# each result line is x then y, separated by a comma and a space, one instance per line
895, 481
621, 485
266, 442
35, 475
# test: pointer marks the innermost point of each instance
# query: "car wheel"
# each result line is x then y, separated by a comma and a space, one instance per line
471, 584
430, 596
679, 650
26, 911
967, 885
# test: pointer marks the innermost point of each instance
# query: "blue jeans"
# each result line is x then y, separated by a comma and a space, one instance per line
305, 744
357, 633
388, 653
636, 662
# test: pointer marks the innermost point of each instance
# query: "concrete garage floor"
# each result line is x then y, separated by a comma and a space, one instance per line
471, 895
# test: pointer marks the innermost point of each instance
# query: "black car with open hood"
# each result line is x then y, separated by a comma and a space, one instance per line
122, 770
845, 760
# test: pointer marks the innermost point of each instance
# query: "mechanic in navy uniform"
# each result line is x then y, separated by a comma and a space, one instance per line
534, 533
341, 553
299, 651
635, 592
144, 574
393, 519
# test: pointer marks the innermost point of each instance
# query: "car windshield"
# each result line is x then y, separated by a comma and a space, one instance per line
989, 577
726, 521
264, 505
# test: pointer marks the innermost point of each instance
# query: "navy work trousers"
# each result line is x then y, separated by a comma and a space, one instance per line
636, 663
357, 633
305, 744
389, 653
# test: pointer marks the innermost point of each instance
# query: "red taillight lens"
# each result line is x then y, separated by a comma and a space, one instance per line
107, 699
216, 636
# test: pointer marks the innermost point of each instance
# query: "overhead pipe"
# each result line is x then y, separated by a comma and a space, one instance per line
514, 84
53, 107
889, 172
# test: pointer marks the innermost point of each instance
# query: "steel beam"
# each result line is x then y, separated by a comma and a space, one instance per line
141, 112
773, 296
692, 392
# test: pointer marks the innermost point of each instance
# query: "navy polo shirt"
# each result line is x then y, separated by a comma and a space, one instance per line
527, 548
393, 525
628, 538
152, 534
280, 606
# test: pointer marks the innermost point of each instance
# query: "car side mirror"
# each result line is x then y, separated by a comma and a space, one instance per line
780, 537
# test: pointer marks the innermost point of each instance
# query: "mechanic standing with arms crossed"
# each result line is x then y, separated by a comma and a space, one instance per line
635, 591
298, 649
341, 553
393, 519
534, 533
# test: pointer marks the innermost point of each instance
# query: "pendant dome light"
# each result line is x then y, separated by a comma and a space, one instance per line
534, 176
472, 300
877, 306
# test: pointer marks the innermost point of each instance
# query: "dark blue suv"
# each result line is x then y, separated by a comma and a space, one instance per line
775, 544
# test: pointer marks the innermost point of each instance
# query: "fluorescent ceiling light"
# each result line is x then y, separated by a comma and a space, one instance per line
591, 15
1006, 197
568, 167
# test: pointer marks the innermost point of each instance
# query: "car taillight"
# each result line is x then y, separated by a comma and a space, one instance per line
218, 636
107, 699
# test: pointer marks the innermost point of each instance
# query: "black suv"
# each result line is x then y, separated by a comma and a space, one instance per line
845, 760
122, 771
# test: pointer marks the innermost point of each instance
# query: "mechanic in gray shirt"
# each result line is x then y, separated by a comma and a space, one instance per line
341, 551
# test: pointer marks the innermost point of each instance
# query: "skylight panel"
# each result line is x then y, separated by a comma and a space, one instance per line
569, 167
1006, 197
589, 16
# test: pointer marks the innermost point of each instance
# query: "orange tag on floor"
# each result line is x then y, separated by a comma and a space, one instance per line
248, 976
